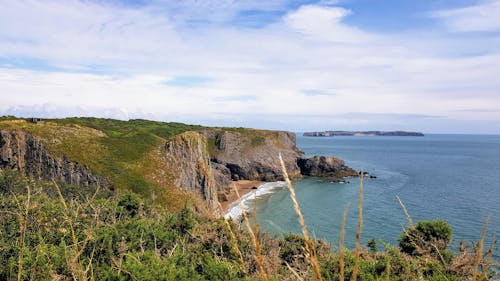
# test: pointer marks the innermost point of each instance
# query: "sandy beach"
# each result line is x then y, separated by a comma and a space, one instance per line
248, 193
244, 187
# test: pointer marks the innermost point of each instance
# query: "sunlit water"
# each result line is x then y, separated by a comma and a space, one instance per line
451, 177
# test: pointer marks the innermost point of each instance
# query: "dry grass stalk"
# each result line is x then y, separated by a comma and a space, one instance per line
341, 246
309, 243
479, 253
234, 241
388, 271
22, 229
410, 221
258, 255
487, 261
422, 247
358, 231
294, 272
73, 257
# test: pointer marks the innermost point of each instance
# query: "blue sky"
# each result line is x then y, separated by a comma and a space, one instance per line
426, 65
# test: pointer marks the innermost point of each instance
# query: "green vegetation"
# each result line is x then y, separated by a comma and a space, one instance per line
149, 231
129, 153
7, 117
431, 237
96, 236
51, 232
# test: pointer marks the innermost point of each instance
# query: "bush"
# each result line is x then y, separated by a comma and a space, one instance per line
426, 237
185, 221
130, 202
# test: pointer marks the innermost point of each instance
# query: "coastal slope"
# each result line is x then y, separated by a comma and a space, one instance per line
167, 162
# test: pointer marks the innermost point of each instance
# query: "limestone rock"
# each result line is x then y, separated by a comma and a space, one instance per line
23, 152
253, 155
332, 168
186, 154
222, 177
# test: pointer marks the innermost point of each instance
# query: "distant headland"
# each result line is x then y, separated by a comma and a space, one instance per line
363, 133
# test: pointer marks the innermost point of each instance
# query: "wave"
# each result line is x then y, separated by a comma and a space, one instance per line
235, 211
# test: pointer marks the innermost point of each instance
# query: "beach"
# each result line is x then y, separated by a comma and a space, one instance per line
248, 190
244, 187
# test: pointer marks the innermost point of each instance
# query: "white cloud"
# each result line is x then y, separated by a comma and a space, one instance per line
484, 16
115, 62
324, 23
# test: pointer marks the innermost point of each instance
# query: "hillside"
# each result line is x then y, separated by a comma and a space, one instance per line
102, 199
167, 162
127, 153
63, 232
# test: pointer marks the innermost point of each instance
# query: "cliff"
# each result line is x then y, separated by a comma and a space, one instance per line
253, 154
26, 153
187, 156
157, 160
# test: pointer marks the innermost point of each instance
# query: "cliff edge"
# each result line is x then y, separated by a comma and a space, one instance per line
155, 159
26, 153
187, 157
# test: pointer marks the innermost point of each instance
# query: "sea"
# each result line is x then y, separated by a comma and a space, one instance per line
455, 178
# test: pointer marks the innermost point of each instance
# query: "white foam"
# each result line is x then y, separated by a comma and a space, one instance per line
234, 210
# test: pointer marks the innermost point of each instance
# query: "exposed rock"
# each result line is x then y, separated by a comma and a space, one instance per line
329, 167
222, 177
26, 153
187, 155
253, 154
235, 154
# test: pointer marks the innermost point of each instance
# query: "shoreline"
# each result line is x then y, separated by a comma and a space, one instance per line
232, 209
244, 187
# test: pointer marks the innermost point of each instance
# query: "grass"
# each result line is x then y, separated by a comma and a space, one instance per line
249, 139
341, 246
310, 247
358, 230
126, 152
479, 252
97, 237
442, 270
255, 240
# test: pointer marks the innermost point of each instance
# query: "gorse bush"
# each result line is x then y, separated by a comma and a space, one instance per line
88, 234
44, 237
427, 237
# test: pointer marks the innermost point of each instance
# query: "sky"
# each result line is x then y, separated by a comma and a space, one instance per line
422, 65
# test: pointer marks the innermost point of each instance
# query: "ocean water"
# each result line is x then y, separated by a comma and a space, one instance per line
455, 178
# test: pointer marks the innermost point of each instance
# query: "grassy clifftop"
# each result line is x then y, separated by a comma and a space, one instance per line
129, 153
62, 233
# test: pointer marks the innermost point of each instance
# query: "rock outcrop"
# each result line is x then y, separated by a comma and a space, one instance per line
203, 162
234, 155
26, 153
253, 154
186, 154
329, 167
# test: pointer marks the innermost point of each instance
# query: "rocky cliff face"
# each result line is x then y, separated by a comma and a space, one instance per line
234, 155
26, 153
253, 155
203, 162
186, 154
329, 167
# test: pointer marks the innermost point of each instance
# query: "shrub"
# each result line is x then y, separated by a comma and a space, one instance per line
130, 202
185, 220
426, 237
